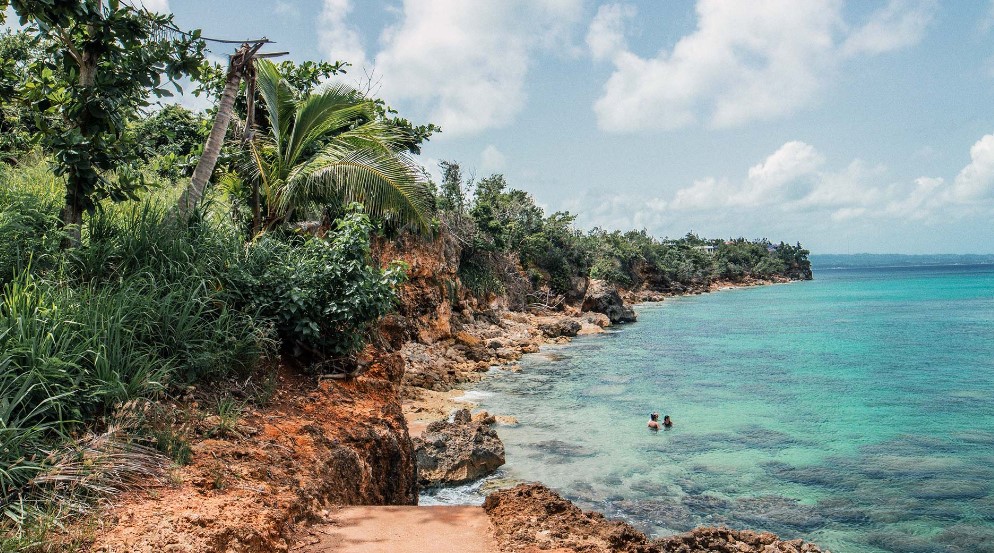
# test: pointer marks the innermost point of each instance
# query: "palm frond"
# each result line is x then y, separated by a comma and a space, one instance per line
387, 185
279, 97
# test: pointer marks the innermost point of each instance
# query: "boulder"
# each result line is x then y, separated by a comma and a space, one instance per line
598, 319
604, 298
560, 327
457, 452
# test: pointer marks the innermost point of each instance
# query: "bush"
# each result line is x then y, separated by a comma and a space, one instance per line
322, 294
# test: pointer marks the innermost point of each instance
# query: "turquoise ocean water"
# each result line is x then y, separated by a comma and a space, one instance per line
855, 411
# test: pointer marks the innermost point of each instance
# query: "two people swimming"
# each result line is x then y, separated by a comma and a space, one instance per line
654, 423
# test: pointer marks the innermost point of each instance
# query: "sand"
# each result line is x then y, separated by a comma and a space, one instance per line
438, 529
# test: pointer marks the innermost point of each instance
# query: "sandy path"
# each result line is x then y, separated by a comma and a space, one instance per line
403, 529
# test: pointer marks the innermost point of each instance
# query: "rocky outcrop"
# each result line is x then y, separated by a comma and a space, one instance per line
724, 540
430, 294
566, 326
450, 453
531, 517
602, 297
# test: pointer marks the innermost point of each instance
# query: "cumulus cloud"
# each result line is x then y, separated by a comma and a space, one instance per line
339, 40
461, 64
976, 181
797, 181
745, 61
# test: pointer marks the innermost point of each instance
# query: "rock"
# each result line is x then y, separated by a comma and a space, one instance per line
604, 298
724, 540
467, 339
562, 327
451, 453
598, 319
528, 517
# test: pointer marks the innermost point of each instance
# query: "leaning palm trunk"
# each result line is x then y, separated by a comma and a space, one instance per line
212, 149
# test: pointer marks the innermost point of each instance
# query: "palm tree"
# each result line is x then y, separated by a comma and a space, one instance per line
238, 66
332, 147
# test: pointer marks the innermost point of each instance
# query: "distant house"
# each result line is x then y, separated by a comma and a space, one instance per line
706, 249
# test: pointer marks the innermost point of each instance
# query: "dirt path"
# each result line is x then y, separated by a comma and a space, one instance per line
401, 530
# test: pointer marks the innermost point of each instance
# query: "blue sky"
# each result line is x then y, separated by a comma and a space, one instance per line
851, 127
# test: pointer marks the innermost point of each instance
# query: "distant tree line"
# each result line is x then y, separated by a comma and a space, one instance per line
498, 225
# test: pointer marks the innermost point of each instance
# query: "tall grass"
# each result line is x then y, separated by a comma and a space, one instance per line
139, 309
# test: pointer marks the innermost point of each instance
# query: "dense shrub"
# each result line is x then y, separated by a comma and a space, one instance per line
321, 293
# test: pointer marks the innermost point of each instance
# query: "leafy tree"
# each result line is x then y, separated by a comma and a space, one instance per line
17, 124
102, 60
332, 147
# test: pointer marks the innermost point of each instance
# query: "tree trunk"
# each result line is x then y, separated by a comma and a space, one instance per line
72, 212
212, 149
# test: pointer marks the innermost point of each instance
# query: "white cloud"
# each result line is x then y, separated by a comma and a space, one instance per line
606, 36
159, 6
745, 61
10, 20
976, 181
794, 183
463, 64
898, 25
339, 40
492, 160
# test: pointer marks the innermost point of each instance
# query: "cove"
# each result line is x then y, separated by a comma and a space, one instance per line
854, 411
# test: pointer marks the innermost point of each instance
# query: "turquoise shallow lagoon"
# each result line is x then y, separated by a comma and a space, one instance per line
855, 411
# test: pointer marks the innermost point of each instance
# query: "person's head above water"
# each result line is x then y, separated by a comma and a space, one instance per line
654, 416
667, 421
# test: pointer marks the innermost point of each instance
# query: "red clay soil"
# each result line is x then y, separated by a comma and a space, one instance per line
314, 446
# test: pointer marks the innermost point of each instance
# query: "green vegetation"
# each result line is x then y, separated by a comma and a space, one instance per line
501, 227
329, 148
116, 296
111, 305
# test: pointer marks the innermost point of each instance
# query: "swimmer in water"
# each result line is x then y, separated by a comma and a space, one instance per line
654, 421
667, 423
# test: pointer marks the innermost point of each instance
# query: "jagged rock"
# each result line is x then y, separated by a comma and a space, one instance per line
598, 319
724, 540
468, 339
450, 453
604, 298
561, 327
531, 517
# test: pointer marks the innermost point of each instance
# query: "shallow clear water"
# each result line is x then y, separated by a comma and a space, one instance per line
855, 411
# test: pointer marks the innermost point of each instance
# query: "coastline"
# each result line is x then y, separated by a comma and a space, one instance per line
422, 406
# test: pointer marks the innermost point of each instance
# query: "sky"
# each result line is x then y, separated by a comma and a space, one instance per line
864, 126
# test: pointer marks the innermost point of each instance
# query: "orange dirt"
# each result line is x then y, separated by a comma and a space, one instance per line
402, 530
315, 445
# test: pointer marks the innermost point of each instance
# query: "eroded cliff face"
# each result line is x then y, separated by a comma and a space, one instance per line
432, 290
314, 446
